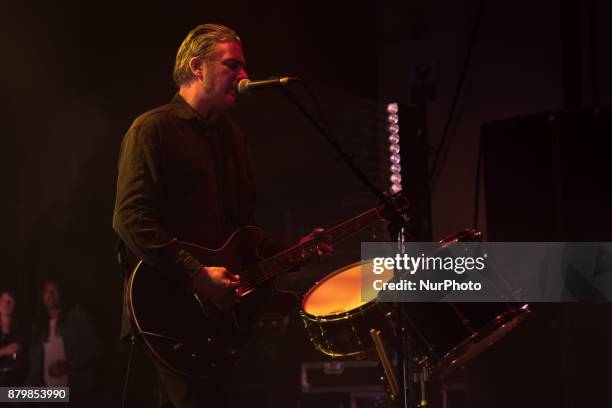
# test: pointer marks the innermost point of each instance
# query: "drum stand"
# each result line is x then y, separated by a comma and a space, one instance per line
408, 395
392, 387
406, 361
398, 221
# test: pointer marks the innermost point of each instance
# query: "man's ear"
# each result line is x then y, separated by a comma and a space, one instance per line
197, 67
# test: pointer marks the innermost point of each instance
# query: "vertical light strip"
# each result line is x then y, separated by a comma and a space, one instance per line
394, 147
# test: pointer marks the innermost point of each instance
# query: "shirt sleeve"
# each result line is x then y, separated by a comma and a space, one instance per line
137, 218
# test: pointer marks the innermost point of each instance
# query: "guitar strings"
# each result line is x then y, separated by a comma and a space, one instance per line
269, 268
257, 274
253, 279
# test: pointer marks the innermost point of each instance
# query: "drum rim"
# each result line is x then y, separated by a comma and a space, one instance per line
340, 316
354, 355
455, 358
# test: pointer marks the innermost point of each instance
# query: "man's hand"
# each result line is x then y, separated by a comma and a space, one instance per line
218, 285
322, 247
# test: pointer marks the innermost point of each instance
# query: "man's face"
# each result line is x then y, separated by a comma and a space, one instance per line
222, 72
7, 304
51, 297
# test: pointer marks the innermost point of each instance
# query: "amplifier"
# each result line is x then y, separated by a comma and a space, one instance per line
548, 175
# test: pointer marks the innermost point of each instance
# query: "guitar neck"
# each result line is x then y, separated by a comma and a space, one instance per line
297, 255
350, 227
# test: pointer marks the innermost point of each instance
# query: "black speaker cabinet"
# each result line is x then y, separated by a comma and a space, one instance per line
548, 176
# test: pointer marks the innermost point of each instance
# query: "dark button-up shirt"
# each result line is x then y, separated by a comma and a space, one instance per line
181, 178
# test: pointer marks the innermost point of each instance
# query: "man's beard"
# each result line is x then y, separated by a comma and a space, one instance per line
208, 84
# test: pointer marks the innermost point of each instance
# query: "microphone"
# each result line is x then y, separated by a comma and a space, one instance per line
245, 86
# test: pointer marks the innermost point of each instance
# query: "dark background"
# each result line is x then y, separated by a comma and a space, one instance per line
75, 75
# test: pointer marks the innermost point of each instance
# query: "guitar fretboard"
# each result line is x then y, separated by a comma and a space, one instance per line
297, 255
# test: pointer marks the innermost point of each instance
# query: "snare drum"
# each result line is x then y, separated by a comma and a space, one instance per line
338, 317
452, 334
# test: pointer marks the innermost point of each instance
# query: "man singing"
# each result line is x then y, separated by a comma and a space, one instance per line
184, 175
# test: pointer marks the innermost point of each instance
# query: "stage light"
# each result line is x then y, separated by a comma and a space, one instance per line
392, 108
394, 147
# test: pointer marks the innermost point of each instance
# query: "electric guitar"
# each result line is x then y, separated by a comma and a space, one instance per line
192, 337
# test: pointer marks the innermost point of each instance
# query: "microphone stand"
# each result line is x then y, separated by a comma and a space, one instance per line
347, 158
398, 222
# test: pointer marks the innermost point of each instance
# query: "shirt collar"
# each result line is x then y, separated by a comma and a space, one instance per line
182, 109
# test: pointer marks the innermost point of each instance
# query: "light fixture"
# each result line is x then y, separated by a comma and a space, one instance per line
394, 147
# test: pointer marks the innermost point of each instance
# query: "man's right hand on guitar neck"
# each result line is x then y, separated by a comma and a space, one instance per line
217, 285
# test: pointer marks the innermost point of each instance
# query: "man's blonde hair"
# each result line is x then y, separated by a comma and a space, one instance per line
200, 42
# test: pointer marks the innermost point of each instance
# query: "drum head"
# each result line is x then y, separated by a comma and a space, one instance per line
340, 291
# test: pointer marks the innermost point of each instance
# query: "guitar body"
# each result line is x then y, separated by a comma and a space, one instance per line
189, 336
